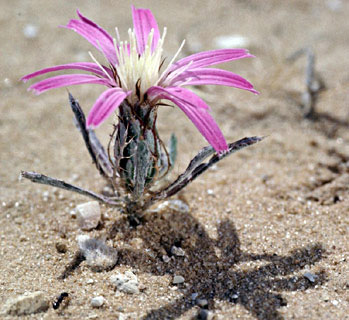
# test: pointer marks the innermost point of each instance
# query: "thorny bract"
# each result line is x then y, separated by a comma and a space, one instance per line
138, 81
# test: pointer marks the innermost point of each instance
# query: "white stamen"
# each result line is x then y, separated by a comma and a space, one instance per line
171, 62
119, 52
117, 34
99, 65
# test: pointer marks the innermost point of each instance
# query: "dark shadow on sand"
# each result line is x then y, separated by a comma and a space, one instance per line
211, 274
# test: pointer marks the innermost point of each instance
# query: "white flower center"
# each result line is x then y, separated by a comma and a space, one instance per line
138, 70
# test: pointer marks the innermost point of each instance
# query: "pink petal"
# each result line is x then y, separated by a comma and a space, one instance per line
181, 93
86, 66
209, 58
205, 76
97, 36
196, 111
107, 102
144, 21
66, 80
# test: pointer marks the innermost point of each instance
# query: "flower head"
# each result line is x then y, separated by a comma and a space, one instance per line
135, 72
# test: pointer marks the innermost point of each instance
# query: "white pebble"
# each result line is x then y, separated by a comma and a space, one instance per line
127, 282
166, 258
179, 252
202, 302
7, 82
98, 255
26, 304
97, 302
72, 213
310, 276
178, 280
231, 41
88, 215
210, 192
30, 31
175, 205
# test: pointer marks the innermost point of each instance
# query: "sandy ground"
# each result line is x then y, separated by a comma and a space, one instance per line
275, 212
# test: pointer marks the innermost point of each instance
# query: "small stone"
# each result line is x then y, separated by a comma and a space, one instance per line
310, 276
30, 31
73, 213
335, 302
178, 280
45, 196
61, 196
137, 243
179, 252
210, 192
175, 205
234, 296
26, 304
194, 296
121, 316
166, 258
98, 255
231, 41
202, 303
97, 302
61, 247
88, 215
325, 297
205, 315
127, 282
8, 84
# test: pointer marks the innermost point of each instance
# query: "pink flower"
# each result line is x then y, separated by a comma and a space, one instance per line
135, 73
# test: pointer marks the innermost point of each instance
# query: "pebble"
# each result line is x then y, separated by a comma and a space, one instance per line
310, 276
205, 315
194, 296
98, 255
121, 317
88, 215
175, 205
231, 41
179, 252
210, 192
30, 31
97, 302
202, 302
335, 302
234, 296
166, 258
45, 196
8, 83
127, 282
178, 280
72, 213
27, 304
61, 247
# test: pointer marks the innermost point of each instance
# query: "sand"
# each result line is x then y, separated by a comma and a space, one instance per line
266, 236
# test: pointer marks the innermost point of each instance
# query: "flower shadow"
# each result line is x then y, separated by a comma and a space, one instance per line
210, 266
